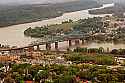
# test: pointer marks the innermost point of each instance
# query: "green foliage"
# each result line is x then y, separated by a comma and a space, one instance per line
1, 65
118, 51
90, 24
50, 30
102, 74
10, 15
37, 32
90, 50
98, 59
64, 79
42, 75
67, 74
20, 67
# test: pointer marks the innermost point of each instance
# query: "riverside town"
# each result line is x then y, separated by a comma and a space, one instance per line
64, 41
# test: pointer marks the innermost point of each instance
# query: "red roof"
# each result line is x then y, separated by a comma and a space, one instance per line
28, 81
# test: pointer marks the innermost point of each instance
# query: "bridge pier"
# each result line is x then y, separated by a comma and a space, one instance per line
22, 51
31, 48
70, 43
108, 50
48, 46
83, 41
16, 52
11, 52
56, 45
77, 42
38, 48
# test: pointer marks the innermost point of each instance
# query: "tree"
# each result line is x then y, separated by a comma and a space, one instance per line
114, 51
101, 50
9, 80
42, 75
64, 79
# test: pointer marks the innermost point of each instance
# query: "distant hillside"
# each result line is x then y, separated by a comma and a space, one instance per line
118, 10
105, 1
22, 2
11, 15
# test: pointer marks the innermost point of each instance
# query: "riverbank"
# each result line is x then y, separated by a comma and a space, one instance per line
32, 13
14, 35
92, 30
117, 9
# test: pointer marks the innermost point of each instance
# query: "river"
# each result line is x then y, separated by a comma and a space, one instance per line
14, 35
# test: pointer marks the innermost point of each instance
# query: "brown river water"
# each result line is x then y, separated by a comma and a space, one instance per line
14, 35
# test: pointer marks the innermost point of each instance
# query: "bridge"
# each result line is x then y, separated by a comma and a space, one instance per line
47, 42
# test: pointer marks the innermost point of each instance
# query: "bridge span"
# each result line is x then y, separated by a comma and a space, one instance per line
31, 47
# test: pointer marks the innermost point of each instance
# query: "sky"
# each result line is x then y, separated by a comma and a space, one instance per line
31, 1
41, 1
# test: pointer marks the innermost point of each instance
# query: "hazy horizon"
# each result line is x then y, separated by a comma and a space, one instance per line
18, 2
32, 1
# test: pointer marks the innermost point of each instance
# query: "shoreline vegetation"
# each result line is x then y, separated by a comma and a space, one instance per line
117, 9
92, 29
32, 13
55, 29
